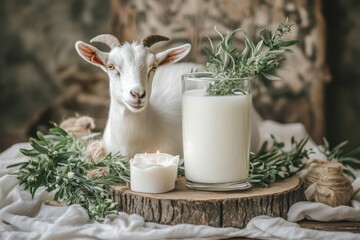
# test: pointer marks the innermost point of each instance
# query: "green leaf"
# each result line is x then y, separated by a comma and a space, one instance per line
259, 47
287, 43
277, 51
29, 152
349, 173
249, 43
58, 130
212, 46
354, 152
218, 32
270, 77
37, 146
348, 160
288, 50
40, 135
265, 35
246, 53
16, 164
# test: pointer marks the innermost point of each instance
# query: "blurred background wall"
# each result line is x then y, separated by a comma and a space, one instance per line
343, 57
42, 78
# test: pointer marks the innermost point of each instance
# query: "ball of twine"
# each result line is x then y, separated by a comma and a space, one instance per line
95, 151
332, 187
80, 126
98, 172
313, 167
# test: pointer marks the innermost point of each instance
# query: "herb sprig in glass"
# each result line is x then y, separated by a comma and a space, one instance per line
227, 63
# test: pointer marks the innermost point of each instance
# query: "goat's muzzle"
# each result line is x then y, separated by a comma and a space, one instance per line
138, 94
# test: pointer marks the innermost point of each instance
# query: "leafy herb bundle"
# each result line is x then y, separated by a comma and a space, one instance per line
227, 63
274, 163
57, 162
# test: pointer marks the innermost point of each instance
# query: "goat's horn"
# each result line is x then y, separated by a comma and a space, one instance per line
152, 39
108, 39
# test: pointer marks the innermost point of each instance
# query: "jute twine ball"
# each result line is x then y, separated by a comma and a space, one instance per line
80, 126
95, 151
332, 187
98, 172
313, 167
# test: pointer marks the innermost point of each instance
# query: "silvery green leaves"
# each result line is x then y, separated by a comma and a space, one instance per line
224, 88
273, 39
275, 163
57, 162
225, 61
224, 52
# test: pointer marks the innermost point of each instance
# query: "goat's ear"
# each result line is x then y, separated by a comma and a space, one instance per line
172, 55
91, 54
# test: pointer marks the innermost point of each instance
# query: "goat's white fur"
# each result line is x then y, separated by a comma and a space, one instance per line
158, 126
153, 122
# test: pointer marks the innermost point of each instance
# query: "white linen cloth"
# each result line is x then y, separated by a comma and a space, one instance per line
22, 217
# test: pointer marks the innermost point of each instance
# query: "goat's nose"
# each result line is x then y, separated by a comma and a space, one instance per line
138, 94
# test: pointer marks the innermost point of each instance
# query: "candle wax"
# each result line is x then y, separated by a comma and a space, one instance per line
153, 172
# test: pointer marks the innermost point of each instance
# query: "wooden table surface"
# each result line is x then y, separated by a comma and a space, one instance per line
339, 226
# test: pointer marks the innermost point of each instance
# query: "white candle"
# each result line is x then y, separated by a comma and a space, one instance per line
153, 172
216, 134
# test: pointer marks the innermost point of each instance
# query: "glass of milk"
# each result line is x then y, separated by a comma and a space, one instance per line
216, 134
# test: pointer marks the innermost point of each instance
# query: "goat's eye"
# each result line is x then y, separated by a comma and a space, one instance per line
111, 66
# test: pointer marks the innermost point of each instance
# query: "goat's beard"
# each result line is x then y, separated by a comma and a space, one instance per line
135, 108
123, 107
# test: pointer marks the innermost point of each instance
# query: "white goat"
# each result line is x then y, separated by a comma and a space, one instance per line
145, 111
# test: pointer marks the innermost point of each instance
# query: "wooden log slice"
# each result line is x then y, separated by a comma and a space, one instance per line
218, 209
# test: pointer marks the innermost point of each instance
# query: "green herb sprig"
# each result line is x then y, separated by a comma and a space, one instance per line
227, 63
337, 154
57, 162
271, 164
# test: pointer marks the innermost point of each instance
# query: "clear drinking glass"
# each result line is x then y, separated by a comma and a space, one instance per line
216, 133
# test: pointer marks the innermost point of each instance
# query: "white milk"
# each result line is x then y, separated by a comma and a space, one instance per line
216, 135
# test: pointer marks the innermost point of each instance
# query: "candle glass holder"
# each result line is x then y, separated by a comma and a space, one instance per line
216, 133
